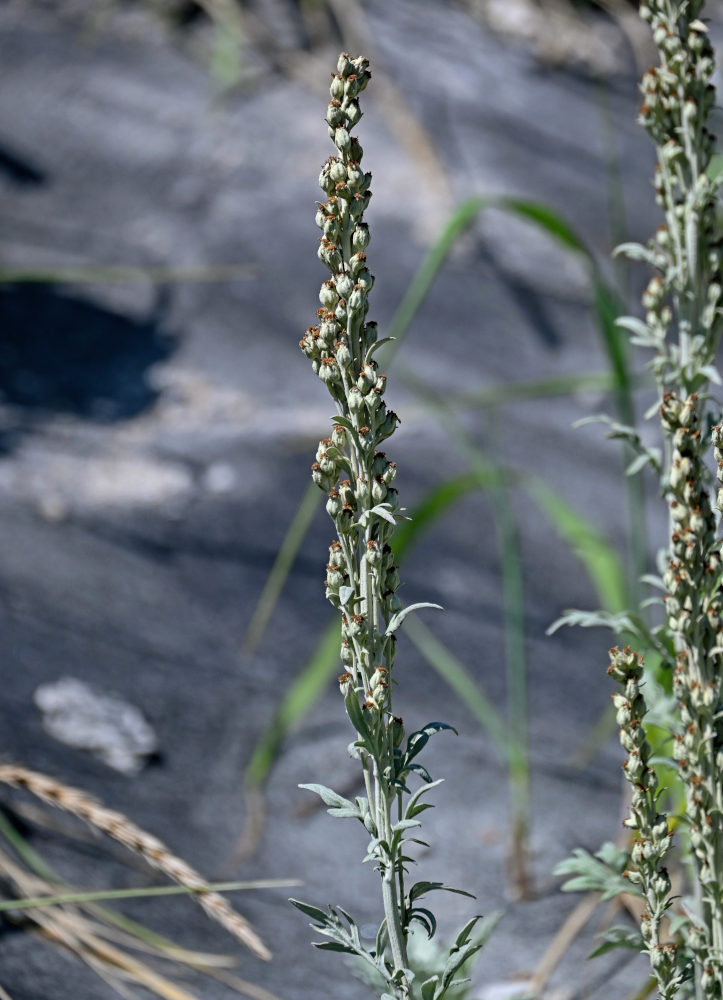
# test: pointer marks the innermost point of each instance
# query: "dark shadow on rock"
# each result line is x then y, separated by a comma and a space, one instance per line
63, 354
533, 304
19, 169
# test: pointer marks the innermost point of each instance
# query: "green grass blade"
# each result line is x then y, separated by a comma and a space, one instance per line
92, 275
607, 308
461, 219
545, 218
285, 557
528, 391
306, 688
599, 558
32, 902
24, 851
462, 682
436, 502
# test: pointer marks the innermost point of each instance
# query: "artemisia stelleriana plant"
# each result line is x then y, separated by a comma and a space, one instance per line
682, 326
361, 578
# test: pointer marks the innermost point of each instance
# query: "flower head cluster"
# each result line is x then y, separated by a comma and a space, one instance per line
653, 839
677, 97
361, 578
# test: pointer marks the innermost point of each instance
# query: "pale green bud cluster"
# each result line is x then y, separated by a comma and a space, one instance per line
678, 96
349, 466
653, 840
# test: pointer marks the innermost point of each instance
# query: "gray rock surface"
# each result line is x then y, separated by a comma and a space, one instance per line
156, 440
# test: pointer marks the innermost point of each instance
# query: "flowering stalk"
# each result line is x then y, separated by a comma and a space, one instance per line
683, 325
653, 839
361, 578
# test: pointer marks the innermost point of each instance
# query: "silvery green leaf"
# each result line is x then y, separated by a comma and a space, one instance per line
634, 325
311, 911
383, 510
635, 251
620, 622
396, 620
464, 948
649, 602
381, 941
345, 592
619, 937
417, 740
652, 410
594, 418
653, 581
414, 807
650, 456
592, 875
711, 373
356, 715
334, 946
339, 806
428, 988
344, 422
420, 889
420, 770
425, 917
375, 347
405, 824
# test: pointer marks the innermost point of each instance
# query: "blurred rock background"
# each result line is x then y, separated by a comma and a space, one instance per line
158, 166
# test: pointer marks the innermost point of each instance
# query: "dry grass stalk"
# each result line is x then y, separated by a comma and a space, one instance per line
154, 851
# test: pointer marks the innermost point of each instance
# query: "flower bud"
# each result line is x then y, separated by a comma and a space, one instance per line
336, 554
333, 504
379, 491
356, 625
374, 555
345, 683
337, 88
373, 400
328, 333
390, 473
329, 370
344, 65
334, 578
366, 438
355, 178
389, 425
337, 171
328, 466
342, 354
397, 728
347, 494
360, 237
379, 678
335, 115
355, 400
347, 654
338, 436
325, 181
328, 295
353, 113
344, 285
356, 300
342, 140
